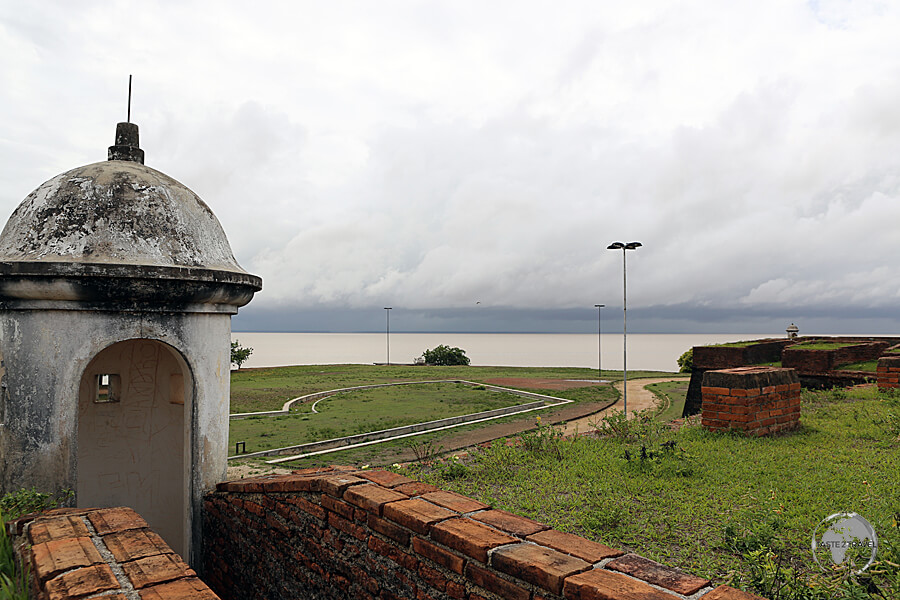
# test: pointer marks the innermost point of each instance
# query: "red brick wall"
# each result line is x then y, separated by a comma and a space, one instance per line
106, 553
375, 534
888, 372
756, 400
822, 361
725, 357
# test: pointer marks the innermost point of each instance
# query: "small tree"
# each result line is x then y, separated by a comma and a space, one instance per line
686, 361
239, 354
445, 356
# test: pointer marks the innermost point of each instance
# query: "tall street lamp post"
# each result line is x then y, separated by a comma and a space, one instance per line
623, 247
599, 344
387, 311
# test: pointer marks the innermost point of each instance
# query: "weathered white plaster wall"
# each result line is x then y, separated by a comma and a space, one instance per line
45, 355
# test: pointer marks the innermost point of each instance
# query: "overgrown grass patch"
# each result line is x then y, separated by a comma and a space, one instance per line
715, 504
819, 345
866, 365
671, 395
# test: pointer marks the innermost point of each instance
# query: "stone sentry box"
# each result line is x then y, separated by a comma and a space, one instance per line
755, 400
117, 286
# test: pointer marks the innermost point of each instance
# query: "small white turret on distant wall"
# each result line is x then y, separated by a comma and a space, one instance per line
117, 286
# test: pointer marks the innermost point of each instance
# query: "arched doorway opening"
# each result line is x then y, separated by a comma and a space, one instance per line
134, 435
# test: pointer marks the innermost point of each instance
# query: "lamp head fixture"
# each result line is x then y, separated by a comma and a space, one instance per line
621, 246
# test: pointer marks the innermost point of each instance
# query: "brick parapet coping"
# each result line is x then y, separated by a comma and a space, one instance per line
345, 533
102, 553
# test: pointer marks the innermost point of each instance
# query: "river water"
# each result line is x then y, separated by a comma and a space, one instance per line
656, 352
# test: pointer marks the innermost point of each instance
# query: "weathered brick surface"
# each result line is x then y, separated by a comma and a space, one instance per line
416, 488
509, 523
69, 566
372, 497
157, 569
416, 514
81, 583
57, 528
541, 566
436, 546
183, 589
109, 520
491, 582
135, 543
471, 538
661, 575
57, 556
600, 584
888, 372
454, 501
755, 400
574, 545
441, 556
386, 479
726, 592
335, 485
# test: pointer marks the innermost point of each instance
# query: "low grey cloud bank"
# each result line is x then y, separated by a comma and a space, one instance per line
430, 156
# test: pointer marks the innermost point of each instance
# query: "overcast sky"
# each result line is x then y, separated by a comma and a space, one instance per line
467, 163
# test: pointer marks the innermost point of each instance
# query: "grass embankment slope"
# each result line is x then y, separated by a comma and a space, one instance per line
725, 506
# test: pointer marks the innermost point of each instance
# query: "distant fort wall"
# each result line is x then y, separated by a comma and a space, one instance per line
816, 368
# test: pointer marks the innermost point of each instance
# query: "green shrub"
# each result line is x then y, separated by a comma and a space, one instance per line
239, 354
686, 361
22, 502
445, 356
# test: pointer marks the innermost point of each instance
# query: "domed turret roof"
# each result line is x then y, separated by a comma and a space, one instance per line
119, 235
117, 212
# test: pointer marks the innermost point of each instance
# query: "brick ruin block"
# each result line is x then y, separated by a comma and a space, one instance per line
888, 372
808, 361
755, 400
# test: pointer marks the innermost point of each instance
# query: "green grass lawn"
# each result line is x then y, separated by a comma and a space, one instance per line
672, 395
774, 363
720, 505
255, 390
371, 410
736, 344
362, 411
812, 345
866, 365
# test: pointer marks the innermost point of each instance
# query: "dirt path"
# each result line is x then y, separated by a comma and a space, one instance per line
639, 399
577, 418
